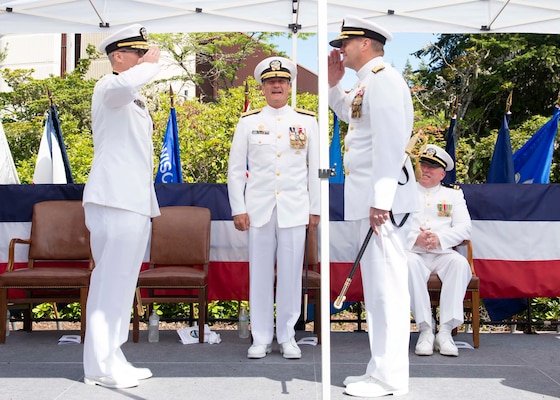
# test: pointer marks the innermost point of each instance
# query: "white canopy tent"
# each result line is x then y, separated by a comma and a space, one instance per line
441, 16
321, 16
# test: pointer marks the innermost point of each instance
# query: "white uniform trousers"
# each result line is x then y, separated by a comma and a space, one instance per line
119, 240
455, 273
270, 245
387, 301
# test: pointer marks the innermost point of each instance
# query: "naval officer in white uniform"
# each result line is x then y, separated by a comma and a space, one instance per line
119, 201
379, 192
442, 223
273, 188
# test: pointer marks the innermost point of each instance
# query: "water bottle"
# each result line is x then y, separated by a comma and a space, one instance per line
243, 325
8, 323
153, 327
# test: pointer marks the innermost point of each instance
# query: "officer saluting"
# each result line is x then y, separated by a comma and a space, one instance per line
119, 200
273, 188
378, 193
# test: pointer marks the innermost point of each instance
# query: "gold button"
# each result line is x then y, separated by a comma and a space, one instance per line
278, 119
279, 136
277, 192
278, 174
351, 127
428, 204
346, 172
278, 155
346, 149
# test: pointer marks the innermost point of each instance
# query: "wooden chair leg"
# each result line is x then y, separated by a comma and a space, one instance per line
3, 312
28, 318
83, 312
135, 322
201, 313
317, 315
476, 318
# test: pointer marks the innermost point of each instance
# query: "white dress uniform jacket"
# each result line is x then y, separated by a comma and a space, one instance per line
384, 101
123, 179
273, 156
445, 212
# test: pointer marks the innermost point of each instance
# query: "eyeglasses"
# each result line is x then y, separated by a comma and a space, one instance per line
140, 52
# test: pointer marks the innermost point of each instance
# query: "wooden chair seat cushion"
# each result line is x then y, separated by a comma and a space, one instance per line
434, 283
46, 277
172, 277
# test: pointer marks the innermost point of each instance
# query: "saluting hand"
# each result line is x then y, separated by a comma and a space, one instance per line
336, 68
151, 56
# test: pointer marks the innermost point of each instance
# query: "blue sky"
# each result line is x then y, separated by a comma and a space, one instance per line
397, 51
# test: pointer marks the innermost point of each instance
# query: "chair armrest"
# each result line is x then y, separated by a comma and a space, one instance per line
469, 255
11, 251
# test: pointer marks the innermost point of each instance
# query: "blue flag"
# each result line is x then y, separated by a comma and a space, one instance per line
169, 170
532, 162
335, 154
451, 176
501, 166
501, 171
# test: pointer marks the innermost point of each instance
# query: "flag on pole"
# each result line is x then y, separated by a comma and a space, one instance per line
335, 154
501, 166
247, 105
169, 170
8, 173
52, 165
451, 176
532, 162
501, 171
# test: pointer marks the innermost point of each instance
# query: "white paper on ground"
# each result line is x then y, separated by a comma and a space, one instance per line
70, 339
190, 335
310, 340
463, 345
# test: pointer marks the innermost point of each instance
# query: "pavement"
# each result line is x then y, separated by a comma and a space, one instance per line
512, 366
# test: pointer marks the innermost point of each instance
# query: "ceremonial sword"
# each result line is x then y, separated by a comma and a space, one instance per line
342, 296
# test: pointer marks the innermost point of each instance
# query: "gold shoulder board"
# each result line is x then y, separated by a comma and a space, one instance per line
306, 112
375, 70
451, 185
251, 112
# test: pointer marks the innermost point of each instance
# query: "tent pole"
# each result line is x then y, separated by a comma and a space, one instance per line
324, 228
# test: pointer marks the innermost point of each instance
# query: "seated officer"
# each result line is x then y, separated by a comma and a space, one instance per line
442, 223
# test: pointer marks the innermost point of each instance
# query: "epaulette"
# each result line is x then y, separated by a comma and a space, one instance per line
451, 185
378, 68
251, 112
306, 112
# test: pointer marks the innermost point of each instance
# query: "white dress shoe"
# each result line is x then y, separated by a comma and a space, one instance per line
290, 349
425, 344
353, 379
259, 350
112, 382
445, 345
372, 387
136, 373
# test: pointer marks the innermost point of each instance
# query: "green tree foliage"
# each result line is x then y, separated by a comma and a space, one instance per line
479, 72
206, 130
217, 55
482, 70
25, 110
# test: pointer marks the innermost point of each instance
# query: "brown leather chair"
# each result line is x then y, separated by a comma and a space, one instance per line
471, 303
179, 258
59, 238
